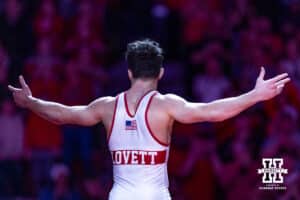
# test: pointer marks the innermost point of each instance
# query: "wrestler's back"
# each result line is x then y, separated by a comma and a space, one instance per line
139, 156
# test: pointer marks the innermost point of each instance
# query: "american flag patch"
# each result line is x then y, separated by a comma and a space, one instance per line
130, 125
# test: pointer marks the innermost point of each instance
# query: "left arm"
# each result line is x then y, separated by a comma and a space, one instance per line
219, 110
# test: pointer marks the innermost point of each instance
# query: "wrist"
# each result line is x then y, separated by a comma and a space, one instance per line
30, 102
255, 96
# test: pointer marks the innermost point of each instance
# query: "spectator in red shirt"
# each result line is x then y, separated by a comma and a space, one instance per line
82, 82
43, 139
45, 83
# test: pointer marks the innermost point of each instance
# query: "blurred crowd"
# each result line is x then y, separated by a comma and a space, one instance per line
72, 51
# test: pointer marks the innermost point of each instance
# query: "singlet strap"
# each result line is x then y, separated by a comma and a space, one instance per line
147, 106
113, 118
138, 104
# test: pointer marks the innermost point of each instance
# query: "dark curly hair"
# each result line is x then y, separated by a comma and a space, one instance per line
144, 58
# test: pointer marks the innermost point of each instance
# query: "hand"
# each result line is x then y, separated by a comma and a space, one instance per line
21, 95
267, 89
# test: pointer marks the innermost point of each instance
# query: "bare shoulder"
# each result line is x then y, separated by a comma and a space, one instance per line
169, 98
105, 100
168, 101
103, 103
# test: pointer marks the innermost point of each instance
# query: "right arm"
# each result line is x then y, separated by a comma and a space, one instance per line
58, 113
222, 109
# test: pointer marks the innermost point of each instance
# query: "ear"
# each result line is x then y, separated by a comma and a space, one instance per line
161, 73
130, 74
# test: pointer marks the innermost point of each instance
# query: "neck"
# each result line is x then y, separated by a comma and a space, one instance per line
142, 86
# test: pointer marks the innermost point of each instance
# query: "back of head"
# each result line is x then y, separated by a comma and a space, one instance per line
144, 58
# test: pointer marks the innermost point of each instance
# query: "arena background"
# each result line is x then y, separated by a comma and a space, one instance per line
72, 51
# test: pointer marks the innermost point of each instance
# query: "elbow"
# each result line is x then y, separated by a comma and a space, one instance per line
218, 117
222, 117
57, 122
213, 118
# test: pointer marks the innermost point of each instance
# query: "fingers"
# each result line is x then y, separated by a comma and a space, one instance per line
280, 85
262, 73
282, 82
13, 89
279, 77
279, 88
22, 82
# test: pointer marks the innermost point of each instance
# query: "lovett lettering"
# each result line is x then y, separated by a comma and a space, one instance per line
137, 157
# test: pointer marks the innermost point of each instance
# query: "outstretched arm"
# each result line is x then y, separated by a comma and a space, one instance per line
223, 109
56, 112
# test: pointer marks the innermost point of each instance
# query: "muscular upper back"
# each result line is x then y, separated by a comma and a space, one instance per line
158, 117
